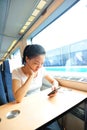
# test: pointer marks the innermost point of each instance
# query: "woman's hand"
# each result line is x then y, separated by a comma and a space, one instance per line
55, 85
31, 72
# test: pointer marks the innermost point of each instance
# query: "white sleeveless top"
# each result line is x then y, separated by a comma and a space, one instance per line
36, 82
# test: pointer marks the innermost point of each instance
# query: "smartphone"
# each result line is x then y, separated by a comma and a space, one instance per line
53, 92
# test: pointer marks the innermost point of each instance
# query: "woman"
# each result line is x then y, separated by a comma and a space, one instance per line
28, 78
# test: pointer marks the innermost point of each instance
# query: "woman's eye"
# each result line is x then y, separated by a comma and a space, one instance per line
36, 63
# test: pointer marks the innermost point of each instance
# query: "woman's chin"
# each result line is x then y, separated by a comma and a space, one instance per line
36, 70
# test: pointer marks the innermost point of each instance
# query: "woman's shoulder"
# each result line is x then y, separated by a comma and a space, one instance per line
43, 71
17, 71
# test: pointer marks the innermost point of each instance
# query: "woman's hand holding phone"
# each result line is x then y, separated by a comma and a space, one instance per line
53, 93
55, 87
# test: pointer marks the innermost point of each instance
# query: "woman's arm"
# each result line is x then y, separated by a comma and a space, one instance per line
20, 91
53, 81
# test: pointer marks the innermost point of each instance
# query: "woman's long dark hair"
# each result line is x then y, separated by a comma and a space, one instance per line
32, 51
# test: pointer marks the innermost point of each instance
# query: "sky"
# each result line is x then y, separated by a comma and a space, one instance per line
69, 28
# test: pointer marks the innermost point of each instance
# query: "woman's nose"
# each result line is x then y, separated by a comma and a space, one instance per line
40, 65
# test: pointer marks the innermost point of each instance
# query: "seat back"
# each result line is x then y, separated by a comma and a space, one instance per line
6, 77
3, 99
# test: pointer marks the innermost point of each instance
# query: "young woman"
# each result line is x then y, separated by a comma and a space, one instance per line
28, 78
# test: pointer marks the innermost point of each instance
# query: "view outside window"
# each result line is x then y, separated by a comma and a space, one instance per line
65, 41
16, 60
70, 55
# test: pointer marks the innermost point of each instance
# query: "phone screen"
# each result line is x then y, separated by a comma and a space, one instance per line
53, 92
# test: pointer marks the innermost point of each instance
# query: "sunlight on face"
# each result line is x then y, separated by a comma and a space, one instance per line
37, 62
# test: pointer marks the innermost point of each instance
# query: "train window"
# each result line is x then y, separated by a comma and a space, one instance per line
15, 58
29, 41
65, 41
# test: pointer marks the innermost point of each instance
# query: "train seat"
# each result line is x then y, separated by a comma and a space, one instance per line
6, 80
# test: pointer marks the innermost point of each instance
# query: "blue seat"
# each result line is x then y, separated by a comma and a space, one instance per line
3, 99
6, 80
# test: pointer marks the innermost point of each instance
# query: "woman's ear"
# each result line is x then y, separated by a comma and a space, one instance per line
26, 58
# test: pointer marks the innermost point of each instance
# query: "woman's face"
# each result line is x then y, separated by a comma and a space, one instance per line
36, 63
